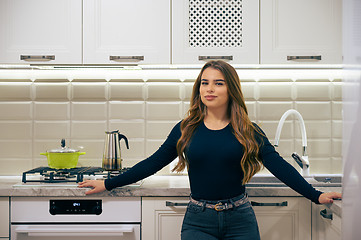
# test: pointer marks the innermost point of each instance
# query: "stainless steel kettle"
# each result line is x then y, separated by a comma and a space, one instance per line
112, 160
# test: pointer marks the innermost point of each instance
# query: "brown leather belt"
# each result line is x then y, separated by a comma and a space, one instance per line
220, 206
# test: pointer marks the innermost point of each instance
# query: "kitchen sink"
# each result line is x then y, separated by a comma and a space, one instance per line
315, 181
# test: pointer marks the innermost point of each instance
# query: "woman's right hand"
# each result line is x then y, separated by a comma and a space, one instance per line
97, 185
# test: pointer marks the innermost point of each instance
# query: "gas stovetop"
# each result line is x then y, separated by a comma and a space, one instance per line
46, 176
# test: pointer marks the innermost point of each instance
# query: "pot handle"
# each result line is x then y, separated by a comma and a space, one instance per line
46, 154
81, 153
125, 138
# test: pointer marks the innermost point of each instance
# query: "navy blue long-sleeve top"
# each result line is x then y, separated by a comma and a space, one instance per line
214, 170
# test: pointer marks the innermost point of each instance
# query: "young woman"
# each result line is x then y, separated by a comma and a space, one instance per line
221, 149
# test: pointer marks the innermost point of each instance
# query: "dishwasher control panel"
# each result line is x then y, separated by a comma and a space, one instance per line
88, 206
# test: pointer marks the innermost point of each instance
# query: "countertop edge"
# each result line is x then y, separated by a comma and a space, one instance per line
158, 186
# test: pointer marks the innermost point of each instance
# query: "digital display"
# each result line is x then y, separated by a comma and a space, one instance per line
75, 207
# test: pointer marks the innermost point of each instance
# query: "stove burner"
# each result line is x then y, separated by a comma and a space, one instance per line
50, 175
61, 174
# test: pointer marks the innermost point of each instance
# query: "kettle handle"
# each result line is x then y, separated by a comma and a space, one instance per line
125, 138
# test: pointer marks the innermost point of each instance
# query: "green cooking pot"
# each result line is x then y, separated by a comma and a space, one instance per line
63, 157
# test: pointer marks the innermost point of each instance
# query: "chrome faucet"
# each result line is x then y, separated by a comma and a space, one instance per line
301, 161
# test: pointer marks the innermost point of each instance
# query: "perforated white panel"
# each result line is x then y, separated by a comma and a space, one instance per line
215, 23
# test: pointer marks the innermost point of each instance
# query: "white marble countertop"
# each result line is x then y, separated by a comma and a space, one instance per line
154, 186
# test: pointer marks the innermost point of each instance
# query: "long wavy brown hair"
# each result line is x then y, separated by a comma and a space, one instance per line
241, 125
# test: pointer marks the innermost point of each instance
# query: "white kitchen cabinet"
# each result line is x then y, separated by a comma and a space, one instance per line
293, 31
283, 217
41, 31
160, 221
121, 31
202, 30
4, 218
325, 224
292, 221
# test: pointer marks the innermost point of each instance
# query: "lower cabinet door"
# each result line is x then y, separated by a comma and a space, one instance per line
325, 224
162, 217
283, 218
4, 217
279, 218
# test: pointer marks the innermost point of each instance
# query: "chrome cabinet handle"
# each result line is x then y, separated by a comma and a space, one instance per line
201, 58
281, 204
290, 58
325, 214
37, 57
173, 204
125, 58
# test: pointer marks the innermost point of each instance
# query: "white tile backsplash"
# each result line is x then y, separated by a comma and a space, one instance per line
272, 110
321, 166
164, 110
132, 128
270, 127
89, 110
89, 91
159, 129
88, 129
337, 148
248, 91
337, 110
16, 110
337, 91
188, 88
315, 129
52, 111
315, 110
92, 148
145, 105
126, 91
337, 129
51, 129
126, 110
16, 129
14, 166
275, 91
16, 91
160, 91
136, 149
15, 149
316, 147
52, 91
319, 91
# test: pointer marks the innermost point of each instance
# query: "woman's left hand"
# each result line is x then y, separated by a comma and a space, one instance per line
329, 197
97, 185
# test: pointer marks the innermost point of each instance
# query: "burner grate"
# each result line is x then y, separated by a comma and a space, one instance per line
52, 175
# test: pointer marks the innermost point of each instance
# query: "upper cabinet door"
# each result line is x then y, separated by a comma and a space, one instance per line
41, 31
123, 31
294, 31
208, 29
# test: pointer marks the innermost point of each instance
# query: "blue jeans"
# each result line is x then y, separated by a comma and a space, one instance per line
201, 223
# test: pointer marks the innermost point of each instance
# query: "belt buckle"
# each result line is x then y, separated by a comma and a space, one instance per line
219, 207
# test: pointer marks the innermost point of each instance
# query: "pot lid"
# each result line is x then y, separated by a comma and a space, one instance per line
63, 149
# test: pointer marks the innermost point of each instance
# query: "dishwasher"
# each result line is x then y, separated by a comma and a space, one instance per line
82, 218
